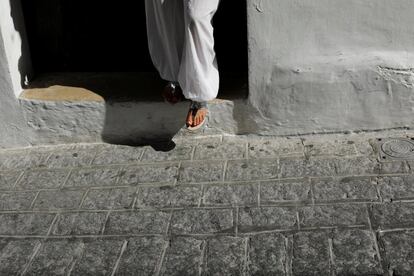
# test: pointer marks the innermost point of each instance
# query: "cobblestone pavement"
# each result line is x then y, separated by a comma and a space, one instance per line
314, 205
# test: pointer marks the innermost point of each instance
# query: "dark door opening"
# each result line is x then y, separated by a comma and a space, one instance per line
67, 36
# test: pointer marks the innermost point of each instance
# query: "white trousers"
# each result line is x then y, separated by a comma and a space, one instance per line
181, 45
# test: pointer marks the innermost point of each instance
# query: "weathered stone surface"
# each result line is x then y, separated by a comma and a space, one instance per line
268, 254
14, 160
393, 215
98, 257
231, 194
56, 257
226, 256
220, 151
310, 254
354, 253
267, 218
396, 187
109, 198
280, 191
345, 189
8, 180
70, 157
25, 224
93, 177
357, 166
179, 152
15, 254
202, 221
335, 215
268, 148
399, 252
141, 256
168, 196
330, 148
197, 171
79, 223
117, 155
183, 257
16, 200
300, 167
42, 179
238, 170
395, 167
61, 199
134, 222
133, 175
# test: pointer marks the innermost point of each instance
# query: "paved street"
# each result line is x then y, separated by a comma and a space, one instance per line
219, 205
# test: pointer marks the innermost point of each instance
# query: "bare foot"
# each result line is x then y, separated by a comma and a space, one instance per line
196, 116
172, 93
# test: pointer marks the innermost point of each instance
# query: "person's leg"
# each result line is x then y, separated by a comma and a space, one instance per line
165, 31
198, 74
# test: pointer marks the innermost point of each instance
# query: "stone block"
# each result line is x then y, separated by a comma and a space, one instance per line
201, 171
141, 256
330, 148
56, 257
267, 218
282, 191
300, 167
354, 253
15, 254
178, 153
220, 151
183, 257
109, 198
395, 167
168, 196
98, 257
399, 252
396, 187
239, 170
202, 221
25, 224
345, 189
94, 177
267, 254
310, 254
393, 215
42, 179
226, 256
231, 194
16, 200
8, 180
357, 166
333, 216
134, 222
117, 155
85, 223
163, 173
14, 160
70, 157
59, 200
270, 148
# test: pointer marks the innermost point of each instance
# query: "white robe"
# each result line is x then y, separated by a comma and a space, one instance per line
181, 44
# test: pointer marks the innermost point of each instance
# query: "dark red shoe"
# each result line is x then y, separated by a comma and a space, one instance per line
173, 93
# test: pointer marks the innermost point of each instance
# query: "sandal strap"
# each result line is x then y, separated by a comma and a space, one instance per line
198, 105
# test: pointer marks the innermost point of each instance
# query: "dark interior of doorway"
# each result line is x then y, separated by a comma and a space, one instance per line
108, 39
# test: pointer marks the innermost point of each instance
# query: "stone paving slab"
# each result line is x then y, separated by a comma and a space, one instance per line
222, 205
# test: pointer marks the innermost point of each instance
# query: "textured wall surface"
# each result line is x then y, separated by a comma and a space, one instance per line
13, 130
331, 65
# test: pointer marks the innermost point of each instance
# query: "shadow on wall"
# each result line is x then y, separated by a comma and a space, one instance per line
127, 108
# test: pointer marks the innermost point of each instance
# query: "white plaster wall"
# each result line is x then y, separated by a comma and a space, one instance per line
15, 43
331, 65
